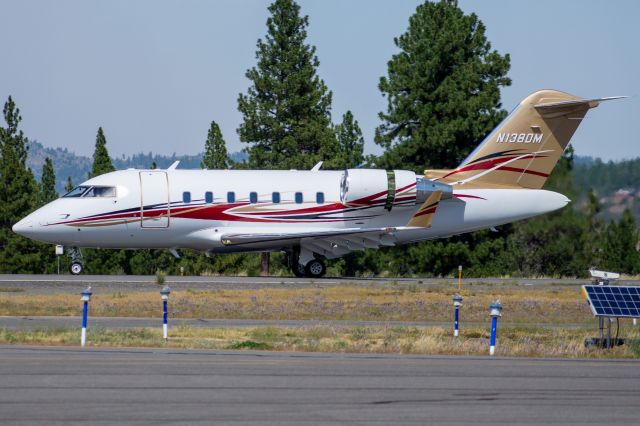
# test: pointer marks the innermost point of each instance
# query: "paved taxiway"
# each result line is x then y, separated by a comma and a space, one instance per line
119, 386
46, 284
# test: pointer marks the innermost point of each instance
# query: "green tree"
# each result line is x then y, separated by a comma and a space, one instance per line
287, 109
350, 144
215, 150
48, 191
18, 196
69, 185
619, 251
101, 160
442, 90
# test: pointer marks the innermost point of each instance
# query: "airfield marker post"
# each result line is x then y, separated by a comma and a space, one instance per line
495, 310
86, 296
164, 294
459, 277
457, 302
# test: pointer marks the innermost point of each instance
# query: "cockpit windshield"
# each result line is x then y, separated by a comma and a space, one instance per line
91, 192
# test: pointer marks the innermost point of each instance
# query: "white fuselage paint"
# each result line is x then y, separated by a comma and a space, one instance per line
91, 222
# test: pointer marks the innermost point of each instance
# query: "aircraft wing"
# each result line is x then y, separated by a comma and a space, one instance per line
330, 243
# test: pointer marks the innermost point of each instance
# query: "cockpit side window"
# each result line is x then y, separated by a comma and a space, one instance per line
100, 192
91, 192
76, 192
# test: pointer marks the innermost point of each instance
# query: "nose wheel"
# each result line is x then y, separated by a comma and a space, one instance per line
77, 266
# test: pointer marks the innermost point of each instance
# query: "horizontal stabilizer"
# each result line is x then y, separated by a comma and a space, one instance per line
592, 103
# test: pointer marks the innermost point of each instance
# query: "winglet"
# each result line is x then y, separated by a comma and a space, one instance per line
426, 212
174, 165
317, 166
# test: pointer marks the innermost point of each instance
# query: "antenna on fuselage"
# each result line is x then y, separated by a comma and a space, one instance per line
174, 165
317, 167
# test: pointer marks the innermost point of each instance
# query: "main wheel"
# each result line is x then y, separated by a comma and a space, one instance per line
76, 268
315, 269
298, 270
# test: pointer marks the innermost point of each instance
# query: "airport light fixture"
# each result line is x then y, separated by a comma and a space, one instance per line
86, 296
495, 311
164, 293
457, 303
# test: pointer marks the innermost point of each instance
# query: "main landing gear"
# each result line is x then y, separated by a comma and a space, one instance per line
77, 265
304, 264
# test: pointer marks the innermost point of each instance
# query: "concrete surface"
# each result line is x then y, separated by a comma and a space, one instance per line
153, 386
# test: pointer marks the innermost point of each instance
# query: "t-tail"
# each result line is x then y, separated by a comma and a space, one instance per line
523, 149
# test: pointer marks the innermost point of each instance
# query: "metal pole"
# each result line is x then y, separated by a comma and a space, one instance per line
165, 323
86, 296
609, 345
601, 328
495, 310
164, 293
83, 334
459, 277
492, 344
455, 324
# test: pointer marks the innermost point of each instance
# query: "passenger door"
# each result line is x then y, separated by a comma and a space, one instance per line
155, 207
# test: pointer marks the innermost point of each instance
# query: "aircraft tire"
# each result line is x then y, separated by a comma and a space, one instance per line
76, 268
315, 269
298, 270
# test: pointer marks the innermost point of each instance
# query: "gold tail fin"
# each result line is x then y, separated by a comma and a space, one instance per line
424, 215
522, 150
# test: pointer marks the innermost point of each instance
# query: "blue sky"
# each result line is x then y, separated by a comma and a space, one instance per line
154, 74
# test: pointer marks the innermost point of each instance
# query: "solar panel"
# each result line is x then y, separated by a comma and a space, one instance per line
613, 301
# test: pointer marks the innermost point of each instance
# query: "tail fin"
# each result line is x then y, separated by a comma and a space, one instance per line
522, 151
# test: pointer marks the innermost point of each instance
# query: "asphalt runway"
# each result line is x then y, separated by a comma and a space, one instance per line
126, 283
151, 386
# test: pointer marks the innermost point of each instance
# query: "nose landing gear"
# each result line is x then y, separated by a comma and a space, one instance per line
77, 265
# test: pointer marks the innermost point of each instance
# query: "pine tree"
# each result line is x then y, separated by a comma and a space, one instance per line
18, 196
101, 160
442, 90
350, 144
48, 191
215, 150
69, 185
287, 109
619, 251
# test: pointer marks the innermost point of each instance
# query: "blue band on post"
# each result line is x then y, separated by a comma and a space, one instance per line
494, 325
164, 312
455, 322
84, 314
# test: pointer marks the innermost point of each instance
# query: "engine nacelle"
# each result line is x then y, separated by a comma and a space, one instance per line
367, 187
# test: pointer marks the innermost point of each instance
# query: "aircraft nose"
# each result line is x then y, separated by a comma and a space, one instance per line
23, 227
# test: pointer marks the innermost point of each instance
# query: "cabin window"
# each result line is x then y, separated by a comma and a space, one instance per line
231, 197
299, 198
320, 197
76, 192
253, 197
275, 197
186, 197
208, 197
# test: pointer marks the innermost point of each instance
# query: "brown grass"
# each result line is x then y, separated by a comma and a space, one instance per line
522, 305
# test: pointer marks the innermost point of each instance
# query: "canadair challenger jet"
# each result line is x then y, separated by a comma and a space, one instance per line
316, 215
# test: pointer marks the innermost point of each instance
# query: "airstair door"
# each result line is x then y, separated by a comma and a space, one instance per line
155, 208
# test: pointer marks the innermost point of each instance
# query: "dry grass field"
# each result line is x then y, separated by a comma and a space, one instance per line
538, 321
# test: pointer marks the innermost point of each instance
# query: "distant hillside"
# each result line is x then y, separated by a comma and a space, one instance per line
67, 163
616, 184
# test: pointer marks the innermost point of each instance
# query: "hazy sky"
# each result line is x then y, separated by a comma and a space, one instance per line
155, 73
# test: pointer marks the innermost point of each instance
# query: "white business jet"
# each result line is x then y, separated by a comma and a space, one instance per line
315, 215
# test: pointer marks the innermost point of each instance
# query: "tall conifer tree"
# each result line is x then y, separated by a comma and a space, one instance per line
18, 196
287, 109
442, 90
350, 143
101, 160
215, 150
69, 185
48, 191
